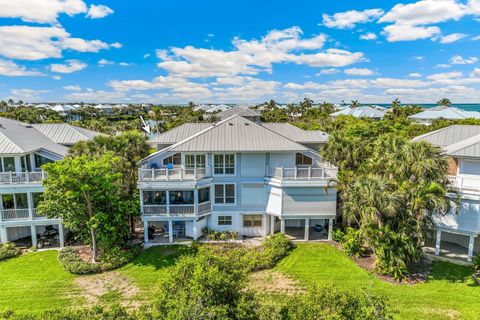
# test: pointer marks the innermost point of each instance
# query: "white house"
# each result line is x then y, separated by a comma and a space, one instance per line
443, 112
237, 175
24, 148
373, 112
462, 144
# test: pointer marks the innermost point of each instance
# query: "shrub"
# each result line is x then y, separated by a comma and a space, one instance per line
8, 250
476, 262
337, 235
276, 247
353, 242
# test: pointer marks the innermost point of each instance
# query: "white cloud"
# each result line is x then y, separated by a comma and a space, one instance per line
476, 72
359, 72
445, 75
56, 77
73, 88
328, 71
116, 45
70, 66
348, 19
29, 95
98, 11
40, 11
11, 69
124, 64
146, 55
414, 75
443, 65
97, 96
476, 38
457, 59
368, 36
104, 62
392, 82
407, 32
36, 43
417, 58
452, 37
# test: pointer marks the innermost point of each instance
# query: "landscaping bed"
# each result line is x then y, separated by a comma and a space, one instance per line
8, 250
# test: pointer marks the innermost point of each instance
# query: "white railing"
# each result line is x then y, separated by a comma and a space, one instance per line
172, 210
174, 174
303, 173
465, 182
204, 207
155, 210
182, 209
21, 177
14, 214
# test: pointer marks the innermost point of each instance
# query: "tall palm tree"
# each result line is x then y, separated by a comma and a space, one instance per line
355, 104
444, 102
157, 115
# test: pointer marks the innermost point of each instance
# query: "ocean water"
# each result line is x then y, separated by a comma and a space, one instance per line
464, 106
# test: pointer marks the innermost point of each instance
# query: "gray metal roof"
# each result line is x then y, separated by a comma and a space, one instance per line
362, 112
18, 138
296, 134
457, 140
241, 111
180, 133
236, 134
445, 112
65, 134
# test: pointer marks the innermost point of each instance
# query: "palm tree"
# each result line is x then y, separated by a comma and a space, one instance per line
305, 105
270, 105
444, 102
355, 104
157, 115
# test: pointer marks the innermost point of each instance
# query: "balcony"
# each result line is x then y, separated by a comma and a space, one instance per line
18, 214
174, 174
303, 173
176, 210
9, 178
469, 183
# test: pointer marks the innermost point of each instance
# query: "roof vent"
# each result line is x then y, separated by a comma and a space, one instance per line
230, 123
247, 124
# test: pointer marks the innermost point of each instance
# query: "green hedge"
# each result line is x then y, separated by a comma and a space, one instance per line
112, 259
8, 250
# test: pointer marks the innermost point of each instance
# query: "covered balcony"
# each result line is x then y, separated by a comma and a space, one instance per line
465, 182
302, 173
176, 203
174, 174
9, 178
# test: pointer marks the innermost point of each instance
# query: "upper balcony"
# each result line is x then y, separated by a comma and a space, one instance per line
467, 183
302, 173
14, 178
174, 174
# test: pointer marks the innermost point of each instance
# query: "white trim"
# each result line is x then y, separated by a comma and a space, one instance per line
214, 203
235, 163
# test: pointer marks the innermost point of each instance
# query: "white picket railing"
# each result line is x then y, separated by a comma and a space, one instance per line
302, 173
204, 207
21, 177
465, 182
172, 210
174, 174
14, 214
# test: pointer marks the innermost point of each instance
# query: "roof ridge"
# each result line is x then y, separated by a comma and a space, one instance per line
462, 144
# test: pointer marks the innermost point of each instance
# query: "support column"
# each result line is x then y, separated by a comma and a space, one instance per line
330, 229
265, 226
307, 229
195, 201
282, 225
3, 234
470, 248
33, 231
61, 236
145, 232
30, 205
170, 231
437, 242
272, 224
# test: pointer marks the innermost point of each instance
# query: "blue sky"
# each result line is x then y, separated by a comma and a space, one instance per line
239, 51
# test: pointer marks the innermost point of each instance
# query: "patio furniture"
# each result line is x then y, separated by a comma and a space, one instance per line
318, 228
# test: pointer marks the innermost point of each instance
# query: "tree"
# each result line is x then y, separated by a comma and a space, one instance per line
305, 105
444, 102
157, 115
355, 104
86, 194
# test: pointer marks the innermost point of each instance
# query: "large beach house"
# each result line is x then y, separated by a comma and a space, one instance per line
24, 148
460, 228
237, 175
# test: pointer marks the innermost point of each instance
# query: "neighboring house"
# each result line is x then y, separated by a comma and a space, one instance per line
443, 112
245, 112
237, 175
23, 150
373, 112
65, 134
462, 144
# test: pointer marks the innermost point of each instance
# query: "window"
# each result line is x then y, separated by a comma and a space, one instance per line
40, 161
302, 160
252, 220
36, 198
224, 193
175, 160
154, 197
224, 220
203, 195
26, 164
15, 201
224, 163
194, 161
8, 164
181, 197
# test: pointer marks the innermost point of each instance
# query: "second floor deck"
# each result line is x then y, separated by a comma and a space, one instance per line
14, 178
465, 182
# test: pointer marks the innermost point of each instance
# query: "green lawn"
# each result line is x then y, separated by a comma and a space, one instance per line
447, 295
36, 282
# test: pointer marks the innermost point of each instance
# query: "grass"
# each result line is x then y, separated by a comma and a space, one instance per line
448, 294
36, 281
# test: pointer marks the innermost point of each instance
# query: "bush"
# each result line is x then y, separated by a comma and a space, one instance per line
276, 247
8, 250
353, 242
219, 235
476, 262
337, 235
109, 260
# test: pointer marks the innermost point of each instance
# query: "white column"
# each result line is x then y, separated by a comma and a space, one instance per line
170, 231
330, 229
470, 248
307, 229
61, 237
168, 201
141, 202
437, 242
195, 201
264, 224
145, 232
282, 225
33, 231
272, 224
3, 234
30, 205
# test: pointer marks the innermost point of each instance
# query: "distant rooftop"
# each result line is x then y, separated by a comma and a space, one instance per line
375, 112
444, 112
65, 134
241, 111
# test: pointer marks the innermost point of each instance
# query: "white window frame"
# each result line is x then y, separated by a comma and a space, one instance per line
224, 224
224, 197
234, 164
195, 163
252, 220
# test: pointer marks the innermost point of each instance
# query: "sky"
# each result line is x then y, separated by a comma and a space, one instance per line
206, 51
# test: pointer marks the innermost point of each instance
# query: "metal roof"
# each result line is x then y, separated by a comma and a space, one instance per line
180, 133
361, 112
241, 111
235, 134
65, 134
296, 134
457, 140
444, 112
18, 138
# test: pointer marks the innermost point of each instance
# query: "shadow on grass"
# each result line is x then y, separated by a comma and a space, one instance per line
450, 272
161, 256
